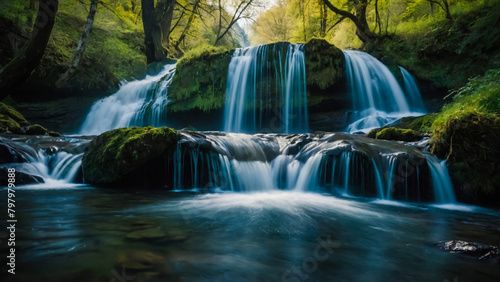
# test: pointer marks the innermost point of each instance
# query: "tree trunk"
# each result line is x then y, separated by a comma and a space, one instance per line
302, 11
362, 28
20, 68
81, 46
165, 15
188, 25
377, 18
324, 19
152, 32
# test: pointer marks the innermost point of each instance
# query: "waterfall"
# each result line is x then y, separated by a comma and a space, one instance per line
412, 92
137, 103
441, 181
266, 90
378, 99
333, 163
61, 166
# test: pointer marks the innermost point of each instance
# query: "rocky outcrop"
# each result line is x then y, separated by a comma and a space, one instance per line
129, 157
199, 85
11, 121
470, 144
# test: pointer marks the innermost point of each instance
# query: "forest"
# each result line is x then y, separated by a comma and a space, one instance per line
251, 140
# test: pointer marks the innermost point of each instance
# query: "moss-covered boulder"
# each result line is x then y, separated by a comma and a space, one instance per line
11, 113
422, 124
36, 129
397, 134
470, 144
129, 157
200, 81
325, 67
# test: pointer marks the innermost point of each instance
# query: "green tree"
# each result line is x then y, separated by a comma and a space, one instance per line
20, 68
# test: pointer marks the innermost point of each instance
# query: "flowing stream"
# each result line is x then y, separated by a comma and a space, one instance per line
248, 204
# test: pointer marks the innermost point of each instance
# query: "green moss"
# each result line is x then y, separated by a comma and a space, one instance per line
422, 123
9, 125
113, 154
11, 113
325, 66
392, 133
200, 80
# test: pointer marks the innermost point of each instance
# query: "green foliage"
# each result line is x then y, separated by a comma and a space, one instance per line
467, 133
446, 52
480, 95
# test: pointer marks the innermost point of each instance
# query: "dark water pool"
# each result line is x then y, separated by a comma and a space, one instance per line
89, 234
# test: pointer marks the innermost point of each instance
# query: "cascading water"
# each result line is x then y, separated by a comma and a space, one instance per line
137, 103
332, 163
266, 90
441, 181
53, 160
412, 93
378, 99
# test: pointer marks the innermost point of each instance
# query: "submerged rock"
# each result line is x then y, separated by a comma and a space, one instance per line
477, 250
140, 260
129, 157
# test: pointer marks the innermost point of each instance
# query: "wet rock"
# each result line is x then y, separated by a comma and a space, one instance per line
476, 250
25, 174
9, 154
140, 260
157, 234
146, 234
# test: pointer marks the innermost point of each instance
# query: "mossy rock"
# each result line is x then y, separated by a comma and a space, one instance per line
325, 63
36, 129
200, 82
13, 114
129, 157
422, 123
470, 144
325, 67
392, 133
8, 125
